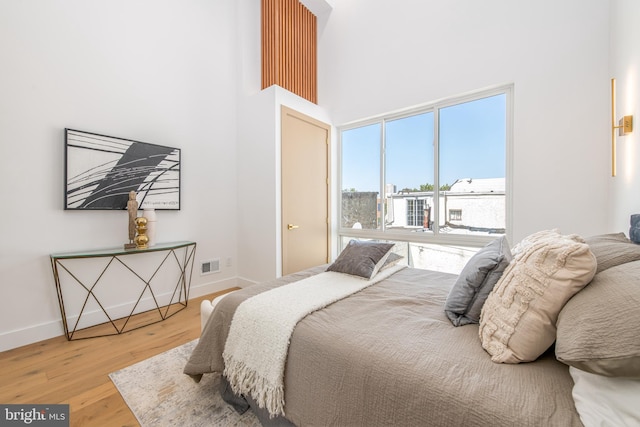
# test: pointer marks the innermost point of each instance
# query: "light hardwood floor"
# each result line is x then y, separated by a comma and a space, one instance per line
76, 372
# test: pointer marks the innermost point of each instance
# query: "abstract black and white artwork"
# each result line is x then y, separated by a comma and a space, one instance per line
101, 171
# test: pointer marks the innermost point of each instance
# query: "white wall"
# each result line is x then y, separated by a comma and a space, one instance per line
258, 142
625, 68
185, 74
259, 184
377, 56
159, 72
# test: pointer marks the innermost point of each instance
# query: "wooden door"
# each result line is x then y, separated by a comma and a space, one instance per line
305, 191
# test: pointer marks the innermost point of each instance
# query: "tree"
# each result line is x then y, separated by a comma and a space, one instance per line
429, 187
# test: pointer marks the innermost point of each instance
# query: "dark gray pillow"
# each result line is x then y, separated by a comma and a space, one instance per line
634, 230
477, 279
362, 259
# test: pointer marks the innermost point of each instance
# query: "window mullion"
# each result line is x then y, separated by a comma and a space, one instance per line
382, 196
436, 172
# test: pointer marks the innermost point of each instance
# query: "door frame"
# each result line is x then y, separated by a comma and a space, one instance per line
284, 111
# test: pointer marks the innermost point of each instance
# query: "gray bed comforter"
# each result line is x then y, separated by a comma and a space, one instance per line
388, 356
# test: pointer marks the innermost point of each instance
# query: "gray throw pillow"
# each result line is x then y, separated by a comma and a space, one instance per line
634, 230
598, 328
477, 279
612, 249
362, 259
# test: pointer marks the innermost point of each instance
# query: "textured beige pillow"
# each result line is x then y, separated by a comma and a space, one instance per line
599, 328
518, 320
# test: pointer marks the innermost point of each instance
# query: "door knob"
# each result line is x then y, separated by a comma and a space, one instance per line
291, 226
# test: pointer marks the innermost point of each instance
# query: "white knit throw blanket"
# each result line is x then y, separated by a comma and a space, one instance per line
257, 345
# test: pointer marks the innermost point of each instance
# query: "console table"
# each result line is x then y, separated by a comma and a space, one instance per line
111, 291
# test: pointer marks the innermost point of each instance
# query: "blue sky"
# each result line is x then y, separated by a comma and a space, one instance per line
472, 145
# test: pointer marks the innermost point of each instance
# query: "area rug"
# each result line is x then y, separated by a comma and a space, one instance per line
159, 394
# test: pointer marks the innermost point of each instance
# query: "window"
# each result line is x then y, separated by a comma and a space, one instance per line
455, 214
415, 212
408, 176
361, 178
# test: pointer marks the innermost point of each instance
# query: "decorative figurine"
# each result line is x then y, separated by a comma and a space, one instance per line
132, 208
141, 227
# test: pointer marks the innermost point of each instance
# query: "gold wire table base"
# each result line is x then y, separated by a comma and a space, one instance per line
183, 253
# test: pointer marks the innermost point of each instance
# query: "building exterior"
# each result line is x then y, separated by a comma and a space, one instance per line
470, 206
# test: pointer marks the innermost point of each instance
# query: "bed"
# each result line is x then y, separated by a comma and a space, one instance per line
388, 354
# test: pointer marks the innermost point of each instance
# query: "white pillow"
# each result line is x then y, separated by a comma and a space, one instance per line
606, 401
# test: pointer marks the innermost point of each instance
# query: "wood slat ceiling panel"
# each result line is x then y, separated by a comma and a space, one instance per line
289, 53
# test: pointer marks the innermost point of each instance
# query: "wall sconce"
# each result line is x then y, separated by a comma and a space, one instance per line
625, 126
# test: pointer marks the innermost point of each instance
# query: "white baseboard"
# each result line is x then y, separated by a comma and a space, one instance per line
213, 287
243, 283
29, 335
43, 331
